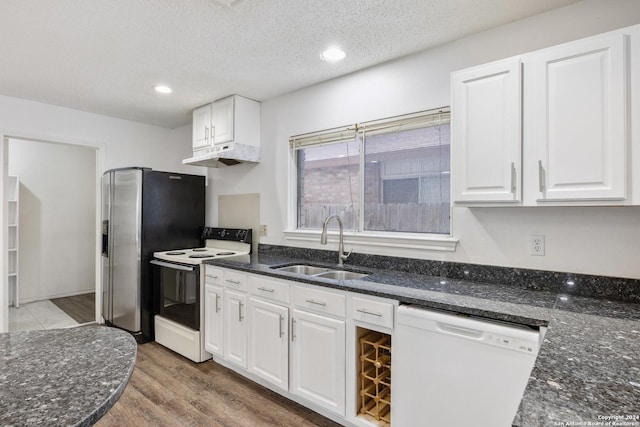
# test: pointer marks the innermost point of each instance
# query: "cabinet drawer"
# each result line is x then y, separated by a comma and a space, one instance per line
320, 300
235, 280
269, 288
376, 312
212, 275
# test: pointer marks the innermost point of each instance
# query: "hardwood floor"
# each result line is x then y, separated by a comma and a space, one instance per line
169, 390
81, 308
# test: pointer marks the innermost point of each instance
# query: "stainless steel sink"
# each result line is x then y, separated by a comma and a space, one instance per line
306, 270
326, 273
341, 275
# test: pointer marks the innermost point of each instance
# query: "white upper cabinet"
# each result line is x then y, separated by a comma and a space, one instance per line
222, 115
233, 119
552, 127
201, 127
486, 130
576, 116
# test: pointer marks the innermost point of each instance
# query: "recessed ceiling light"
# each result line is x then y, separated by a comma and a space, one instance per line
332, 54
162, 89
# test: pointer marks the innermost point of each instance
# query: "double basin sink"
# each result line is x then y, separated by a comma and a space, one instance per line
326, 273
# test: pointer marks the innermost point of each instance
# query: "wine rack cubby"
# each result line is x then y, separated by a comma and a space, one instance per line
375, 376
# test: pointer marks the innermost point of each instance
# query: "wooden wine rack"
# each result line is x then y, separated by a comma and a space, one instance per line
375, 376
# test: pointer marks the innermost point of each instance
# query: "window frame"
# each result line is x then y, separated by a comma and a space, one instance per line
382, 241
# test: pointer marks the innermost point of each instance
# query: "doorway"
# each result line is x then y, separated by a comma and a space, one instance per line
56, 239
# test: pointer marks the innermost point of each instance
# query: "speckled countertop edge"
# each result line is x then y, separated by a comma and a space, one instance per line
68, 377
584, 369
100, 411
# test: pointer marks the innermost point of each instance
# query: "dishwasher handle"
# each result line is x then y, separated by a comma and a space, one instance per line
460, 331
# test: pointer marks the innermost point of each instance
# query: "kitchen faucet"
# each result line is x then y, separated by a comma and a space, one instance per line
323, 238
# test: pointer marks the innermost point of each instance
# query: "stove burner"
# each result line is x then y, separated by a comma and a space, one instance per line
225, 253
200, 250
176, 253
200, 256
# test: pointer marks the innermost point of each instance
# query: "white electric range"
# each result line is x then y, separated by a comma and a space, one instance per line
179, 289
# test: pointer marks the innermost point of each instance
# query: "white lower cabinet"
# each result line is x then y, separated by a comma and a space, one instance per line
292, 337
318, 360
368, 314
213, 330
235, 327
268, 342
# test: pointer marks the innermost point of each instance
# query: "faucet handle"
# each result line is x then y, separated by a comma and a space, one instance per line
345, 256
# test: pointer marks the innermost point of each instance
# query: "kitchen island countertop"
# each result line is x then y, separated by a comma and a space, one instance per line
66, 377
588, 368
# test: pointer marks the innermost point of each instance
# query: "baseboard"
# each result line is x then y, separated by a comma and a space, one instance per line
63, 295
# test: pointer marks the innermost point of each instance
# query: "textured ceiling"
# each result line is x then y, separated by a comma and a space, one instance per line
104, 56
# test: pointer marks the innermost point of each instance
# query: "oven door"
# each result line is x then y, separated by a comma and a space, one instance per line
177, 288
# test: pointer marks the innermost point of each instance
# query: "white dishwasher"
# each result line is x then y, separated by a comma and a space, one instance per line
455, 370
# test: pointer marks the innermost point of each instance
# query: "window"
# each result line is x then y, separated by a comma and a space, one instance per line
328, 184
400, 190
389, 175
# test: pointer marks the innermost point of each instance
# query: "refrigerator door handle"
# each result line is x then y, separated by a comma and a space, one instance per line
107, 294
169, 265
105, 237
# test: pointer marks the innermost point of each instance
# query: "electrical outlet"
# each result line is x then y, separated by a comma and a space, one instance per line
536, 245
263, 229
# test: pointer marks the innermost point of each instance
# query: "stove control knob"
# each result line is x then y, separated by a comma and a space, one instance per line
241, 234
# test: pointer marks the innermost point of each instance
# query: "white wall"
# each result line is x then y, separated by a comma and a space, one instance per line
57, 218
120, 143
583, 240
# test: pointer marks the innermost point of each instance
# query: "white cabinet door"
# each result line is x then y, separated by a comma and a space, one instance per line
235, 327
575, 117
318, 360
269, 342
201, 127
486, 138
213, 327
222, 113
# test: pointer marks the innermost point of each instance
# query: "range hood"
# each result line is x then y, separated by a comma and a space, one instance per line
229, 154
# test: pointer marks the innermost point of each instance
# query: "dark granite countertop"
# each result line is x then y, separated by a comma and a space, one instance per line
63, 377
589, 363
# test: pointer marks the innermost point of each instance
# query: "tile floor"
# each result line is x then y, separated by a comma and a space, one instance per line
38, 315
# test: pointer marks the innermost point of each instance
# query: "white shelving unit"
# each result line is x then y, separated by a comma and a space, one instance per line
14, 215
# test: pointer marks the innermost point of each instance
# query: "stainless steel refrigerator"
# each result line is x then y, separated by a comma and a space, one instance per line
143, 211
